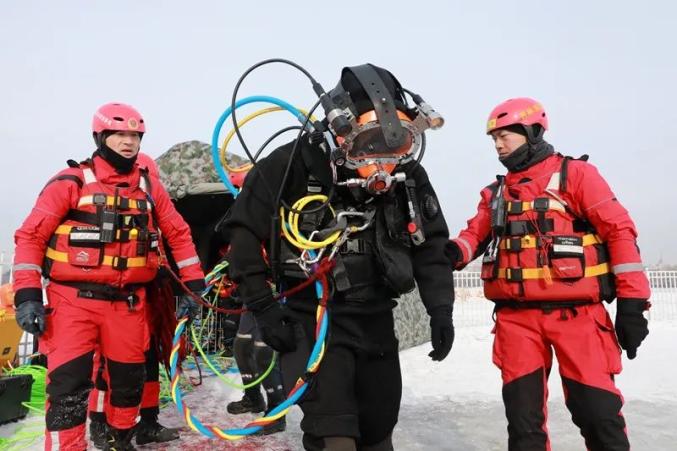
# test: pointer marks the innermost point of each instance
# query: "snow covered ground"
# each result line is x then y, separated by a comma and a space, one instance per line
456, 404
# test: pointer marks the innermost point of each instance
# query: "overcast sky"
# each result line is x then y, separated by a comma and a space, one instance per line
605, 72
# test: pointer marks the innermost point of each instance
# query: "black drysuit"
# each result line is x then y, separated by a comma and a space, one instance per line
356, 392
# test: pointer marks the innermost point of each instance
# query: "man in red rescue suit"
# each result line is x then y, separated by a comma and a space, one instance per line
93, 234
148, 429
555, 243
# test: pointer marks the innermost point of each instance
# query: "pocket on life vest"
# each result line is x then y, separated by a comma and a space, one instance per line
567, 268
567, 257
85, 248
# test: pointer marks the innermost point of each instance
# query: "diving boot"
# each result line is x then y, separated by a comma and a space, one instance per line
249, 403
150, 431
278, 425
119, 440
97, 433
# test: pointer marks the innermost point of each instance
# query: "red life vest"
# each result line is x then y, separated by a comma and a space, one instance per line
544, 252
110, 238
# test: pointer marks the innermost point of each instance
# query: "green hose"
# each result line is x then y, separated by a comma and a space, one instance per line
38, 390
225, 380
22, 439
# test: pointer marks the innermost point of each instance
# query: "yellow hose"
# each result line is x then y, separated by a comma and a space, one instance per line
247, 166
291, 232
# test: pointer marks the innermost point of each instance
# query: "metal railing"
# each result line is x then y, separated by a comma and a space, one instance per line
471, 308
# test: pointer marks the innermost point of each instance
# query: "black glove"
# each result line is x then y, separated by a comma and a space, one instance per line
441, 332
631, 326
188, 307
276, 326
453, 253
30, 315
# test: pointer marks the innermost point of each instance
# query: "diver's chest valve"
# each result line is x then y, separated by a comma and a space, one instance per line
378, 182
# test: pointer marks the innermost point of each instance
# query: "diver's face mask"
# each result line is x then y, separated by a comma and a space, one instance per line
370, 155
381, 139
369, 143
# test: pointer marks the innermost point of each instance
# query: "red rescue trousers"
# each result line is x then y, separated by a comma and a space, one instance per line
75, 328
588, 355
99, 398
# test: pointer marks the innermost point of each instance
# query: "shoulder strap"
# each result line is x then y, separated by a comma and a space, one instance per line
72, 177
144, 181
498, 205
564, 170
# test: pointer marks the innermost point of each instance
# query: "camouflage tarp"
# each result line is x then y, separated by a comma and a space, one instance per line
186, 167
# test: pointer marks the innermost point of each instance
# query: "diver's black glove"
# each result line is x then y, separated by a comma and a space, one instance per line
631, 326
453, 253
441, 331
188, 306
30, 315
276, 326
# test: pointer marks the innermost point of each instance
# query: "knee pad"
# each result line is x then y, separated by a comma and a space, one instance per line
67, 411
591, 406
68, 390
72, 376
126, 383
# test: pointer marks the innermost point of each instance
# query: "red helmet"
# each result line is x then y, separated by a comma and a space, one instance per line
118, 117
521, 110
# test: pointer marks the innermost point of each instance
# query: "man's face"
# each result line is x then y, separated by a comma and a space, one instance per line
126, 144
506, 142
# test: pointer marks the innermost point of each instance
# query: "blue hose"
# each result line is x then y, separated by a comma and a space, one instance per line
313, 356
219, 124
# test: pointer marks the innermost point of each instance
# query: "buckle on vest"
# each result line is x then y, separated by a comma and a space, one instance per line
515, 208
514, 275
513, 244
119, 263
124, 235
99, 199
541, 204
123, 203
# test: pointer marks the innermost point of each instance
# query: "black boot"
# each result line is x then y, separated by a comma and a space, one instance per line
119, 440
278, 426
275, 398
97, 432
251, 402
150, 431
